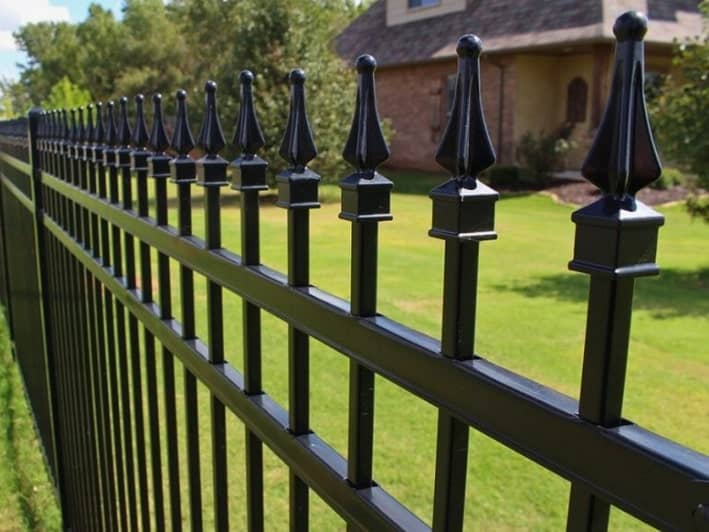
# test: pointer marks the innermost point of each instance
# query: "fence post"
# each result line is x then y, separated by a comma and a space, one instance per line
298, 192
159, 169
182, 173
463, 215
211, 174
365, 203
616, 241
249, 177
35, 116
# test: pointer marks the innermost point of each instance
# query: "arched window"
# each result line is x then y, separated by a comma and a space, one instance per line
576, 97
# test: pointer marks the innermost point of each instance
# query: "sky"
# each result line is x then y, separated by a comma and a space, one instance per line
15, 13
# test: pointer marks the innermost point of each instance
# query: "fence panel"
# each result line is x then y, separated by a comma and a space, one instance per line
98, 339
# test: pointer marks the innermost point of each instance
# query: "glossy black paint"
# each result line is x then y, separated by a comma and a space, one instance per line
68, 182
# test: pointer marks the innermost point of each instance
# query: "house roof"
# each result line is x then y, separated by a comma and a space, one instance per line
507, 25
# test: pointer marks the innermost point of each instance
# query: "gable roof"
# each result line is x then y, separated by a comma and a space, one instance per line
507, 25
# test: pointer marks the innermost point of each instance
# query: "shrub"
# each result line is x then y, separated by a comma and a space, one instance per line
542, 153
670, 177
504, 176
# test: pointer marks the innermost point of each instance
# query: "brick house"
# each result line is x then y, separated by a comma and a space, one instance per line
546, 64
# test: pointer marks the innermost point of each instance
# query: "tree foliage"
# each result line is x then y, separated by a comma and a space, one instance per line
680, 113
66, 95
159, 48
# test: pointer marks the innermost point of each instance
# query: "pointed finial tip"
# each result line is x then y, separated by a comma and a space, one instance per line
181, 95
123, 101
139, 98
111, 104
366, 63
246, 77
296, 76
90, 106
157, 98
210, 87
469, 45
99, 105
630, 26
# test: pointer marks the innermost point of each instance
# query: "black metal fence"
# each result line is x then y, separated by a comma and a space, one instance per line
83, 314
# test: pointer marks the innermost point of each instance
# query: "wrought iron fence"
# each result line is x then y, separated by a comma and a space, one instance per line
83, 314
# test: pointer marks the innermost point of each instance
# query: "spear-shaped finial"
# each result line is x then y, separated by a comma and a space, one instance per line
158, 141
89, 138
73, 131
211, 136
99, 132
80, 130
248, 135
366, 148
111, 130
623, 158
158, 162
140, 132
52, 123
124, 133
182, 167
211, 169
465, 148
182, 140
65, 131
297, 146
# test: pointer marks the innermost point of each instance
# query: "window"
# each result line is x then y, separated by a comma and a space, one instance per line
423, 3
576, 97
450, 93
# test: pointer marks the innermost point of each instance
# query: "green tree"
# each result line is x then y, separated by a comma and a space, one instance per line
160, 48
680, 113
65, 95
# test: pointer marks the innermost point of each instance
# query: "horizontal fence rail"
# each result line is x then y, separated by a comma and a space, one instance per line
98, 340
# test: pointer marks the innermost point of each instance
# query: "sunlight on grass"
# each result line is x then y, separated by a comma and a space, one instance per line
531, 319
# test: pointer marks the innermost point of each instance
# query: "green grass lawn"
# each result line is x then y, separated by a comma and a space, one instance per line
27, 499
531, 318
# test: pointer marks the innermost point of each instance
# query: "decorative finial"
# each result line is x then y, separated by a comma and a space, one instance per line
158, 141
99, 131
65, 131
248, 135
182, 140
111, 131
211, 136
73, 131
124, 133
89, 123
80, 131
140, 132
366, 148
465, 148
297, 146
623, 158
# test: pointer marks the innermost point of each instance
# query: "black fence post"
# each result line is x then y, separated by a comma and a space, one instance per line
616, 241
463, 215
159, 170
298, 192
211, 174
34, 118
365, 203
249, 177
183, 172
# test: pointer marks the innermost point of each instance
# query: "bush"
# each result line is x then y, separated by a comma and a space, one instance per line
542, 153
503, 176
670, 177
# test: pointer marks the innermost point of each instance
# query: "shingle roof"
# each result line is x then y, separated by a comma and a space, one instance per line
505, 25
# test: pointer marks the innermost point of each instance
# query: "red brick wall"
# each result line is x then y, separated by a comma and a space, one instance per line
414, 99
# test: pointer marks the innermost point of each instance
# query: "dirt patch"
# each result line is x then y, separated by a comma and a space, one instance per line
581, 193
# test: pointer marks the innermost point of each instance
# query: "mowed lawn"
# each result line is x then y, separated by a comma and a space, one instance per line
531, 319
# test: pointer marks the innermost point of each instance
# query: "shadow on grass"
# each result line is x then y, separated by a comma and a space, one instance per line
674, 293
